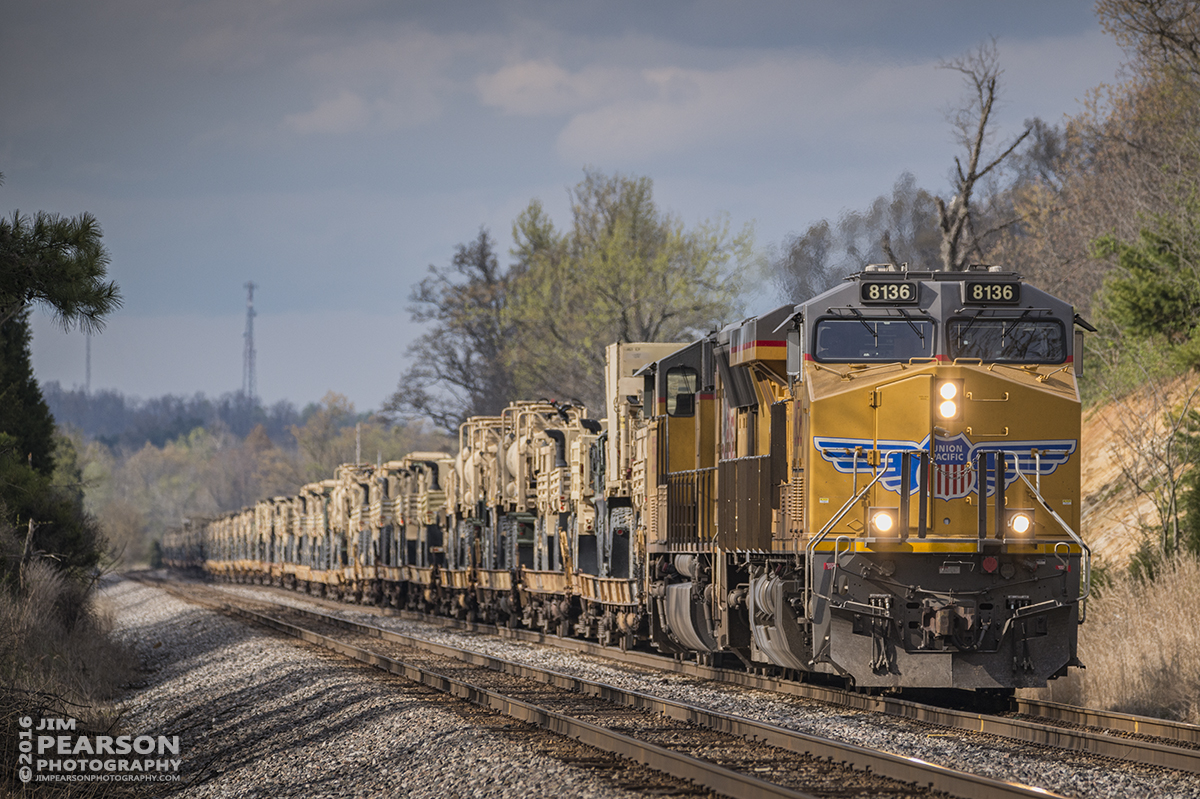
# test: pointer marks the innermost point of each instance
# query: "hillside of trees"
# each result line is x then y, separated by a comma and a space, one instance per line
146, 465
127, 423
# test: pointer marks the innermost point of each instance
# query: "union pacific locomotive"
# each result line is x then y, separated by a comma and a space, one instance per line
879, 484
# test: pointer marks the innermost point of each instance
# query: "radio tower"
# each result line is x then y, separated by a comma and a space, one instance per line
249, 381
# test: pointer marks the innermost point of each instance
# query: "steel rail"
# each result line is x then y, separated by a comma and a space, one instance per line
1143, 752
1132, 750
709, 775
1095, 743
898, 767
1128, 749
1109, 719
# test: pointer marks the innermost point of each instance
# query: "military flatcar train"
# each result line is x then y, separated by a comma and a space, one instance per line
880, 484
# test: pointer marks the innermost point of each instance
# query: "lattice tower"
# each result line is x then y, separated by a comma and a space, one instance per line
249, 379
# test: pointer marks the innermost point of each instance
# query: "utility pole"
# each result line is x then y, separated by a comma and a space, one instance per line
87, 372
249, 380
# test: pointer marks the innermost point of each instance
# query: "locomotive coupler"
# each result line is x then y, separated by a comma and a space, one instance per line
952, 620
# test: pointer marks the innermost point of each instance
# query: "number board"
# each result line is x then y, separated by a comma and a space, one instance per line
991, 293
890, 292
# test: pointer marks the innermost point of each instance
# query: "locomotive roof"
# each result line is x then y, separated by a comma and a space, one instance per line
946, 296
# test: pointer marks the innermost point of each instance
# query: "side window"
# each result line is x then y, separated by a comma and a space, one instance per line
682, 383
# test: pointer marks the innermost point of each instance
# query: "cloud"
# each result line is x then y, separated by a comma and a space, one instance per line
394, 82
803, 98
342, 114
543, 88
814, 100
617, 114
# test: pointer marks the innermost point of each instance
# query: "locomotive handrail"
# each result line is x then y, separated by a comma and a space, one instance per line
811, 548
1037, 462
1085, 576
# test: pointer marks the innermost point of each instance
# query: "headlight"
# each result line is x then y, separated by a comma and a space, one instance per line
884, 521
948, 393
1020, 522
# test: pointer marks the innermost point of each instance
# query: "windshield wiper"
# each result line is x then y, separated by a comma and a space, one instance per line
874, 333
913, 325
978, 315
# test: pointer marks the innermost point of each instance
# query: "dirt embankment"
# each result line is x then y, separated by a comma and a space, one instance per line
1119, 436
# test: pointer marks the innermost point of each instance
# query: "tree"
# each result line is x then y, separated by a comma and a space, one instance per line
1162, 33
1131, 155
899, 228
915, 227
23, 412
59, 263
318, 439
56, 262
958, 220
1151, 428
461, 367
805, 268
624, 271
1155, 287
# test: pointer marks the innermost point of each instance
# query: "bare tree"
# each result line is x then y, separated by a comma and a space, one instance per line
804, 269
1160, 32
896, 228
460, 366
957, 219
1152, 441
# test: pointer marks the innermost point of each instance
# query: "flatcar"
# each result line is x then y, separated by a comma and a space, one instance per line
880, 485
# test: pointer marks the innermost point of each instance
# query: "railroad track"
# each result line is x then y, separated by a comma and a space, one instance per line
727, 754
1124, 737
1131, 738
1174, 732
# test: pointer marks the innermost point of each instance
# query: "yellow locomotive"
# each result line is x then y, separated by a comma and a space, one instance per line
879, 484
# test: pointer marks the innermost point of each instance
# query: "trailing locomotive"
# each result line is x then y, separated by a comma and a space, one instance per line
881, 484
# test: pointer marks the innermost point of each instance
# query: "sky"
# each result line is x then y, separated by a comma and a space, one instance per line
331, 151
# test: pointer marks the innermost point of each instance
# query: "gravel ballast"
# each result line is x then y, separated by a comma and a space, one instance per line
260, 715
1060, 772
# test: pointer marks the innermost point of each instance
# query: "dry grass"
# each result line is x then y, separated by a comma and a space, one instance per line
58, 660
1141, 646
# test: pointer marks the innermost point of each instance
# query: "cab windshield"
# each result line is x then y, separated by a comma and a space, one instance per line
864, 339
1008, 340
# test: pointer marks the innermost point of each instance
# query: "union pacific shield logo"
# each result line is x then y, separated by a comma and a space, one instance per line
954, 461
953, 471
